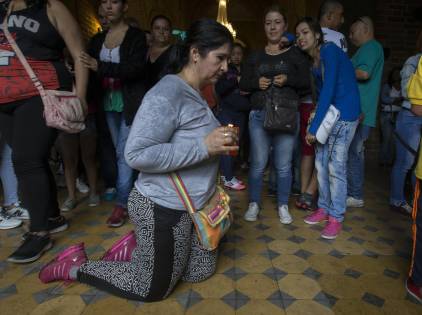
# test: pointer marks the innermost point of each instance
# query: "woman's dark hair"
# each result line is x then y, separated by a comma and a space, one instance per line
314, 27
391, 75
205, 35
239, 46
275, 8
161, 17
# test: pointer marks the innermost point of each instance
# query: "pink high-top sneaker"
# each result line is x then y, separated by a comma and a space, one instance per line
319, 215
59, 268
331, 229
121, 250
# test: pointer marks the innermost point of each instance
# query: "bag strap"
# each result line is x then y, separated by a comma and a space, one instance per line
18, 52
182, 192
405, 144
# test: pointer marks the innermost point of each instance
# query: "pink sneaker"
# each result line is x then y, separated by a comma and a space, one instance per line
118, 217
121, 250
234, 185
332, 229
316, 217
59, 267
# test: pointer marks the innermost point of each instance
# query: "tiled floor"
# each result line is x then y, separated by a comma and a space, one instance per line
264, 268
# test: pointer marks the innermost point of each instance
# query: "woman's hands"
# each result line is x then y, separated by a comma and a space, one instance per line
310, 139
88, 62
278, 80
264, 83
222, 140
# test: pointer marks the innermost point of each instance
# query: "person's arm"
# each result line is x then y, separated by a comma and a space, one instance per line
365, 66
130, 68
406, 72
417, 110
330, 62
148, 148
69, 30
249, 81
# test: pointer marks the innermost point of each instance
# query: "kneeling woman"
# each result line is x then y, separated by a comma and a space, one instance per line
336, 83
174, 130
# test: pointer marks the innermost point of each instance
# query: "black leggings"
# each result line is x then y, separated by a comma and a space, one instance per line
23, 126
167, 251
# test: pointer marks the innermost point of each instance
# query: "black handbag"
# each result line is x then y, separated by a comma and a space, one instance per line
282, 115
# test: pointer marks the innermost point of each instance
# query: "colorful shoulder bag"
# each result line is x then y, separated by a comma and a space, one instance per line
212, 221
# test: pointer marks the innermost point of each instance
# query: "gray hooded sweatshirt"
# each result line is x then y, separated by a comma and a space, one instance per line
168, 135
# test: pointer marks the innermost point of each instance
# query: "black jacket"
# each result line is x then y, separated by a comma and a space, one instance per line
131, 71
293, 63
228, 90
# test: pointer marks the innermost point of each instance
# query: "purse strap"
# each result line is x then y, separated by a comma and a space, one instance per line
182, 192
18, 52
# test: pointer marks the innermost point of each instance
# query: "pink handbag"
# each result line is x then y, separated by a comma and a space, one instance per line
62, 109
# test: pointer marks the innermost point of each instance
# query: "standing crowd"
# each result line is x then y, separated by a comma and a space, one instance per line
300, 109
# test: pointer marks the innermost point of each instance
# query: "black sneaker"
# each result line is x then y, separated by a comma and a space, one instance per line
56, 225
31, 249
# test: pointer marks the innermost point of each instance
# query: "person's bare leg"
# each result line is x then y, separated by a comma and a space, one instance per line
313, 184
88, 145
307, 166
69, 145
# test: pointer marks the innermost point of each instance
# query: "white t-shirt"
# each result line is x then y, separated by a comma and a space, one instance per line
335, 37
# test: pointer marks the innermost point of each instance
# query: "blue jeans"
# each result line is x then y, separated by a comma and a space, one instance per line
7, 175
331, 165
356, 164
408, 126
119, 132
260, 149
227, 161
272, 178
387, 141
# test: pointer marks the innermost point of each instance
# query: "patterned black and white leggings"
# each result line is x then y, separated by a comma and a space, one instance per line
167, 250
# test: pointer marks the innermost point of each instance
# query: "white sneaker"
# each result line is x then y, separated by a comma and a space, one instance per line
81, 186
252, 212
235, 180
283, 213
354, 203
17, 212
7, 222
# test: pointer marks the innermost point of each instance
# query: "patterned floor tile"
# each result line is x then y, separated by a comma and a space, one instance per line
261, 307
170, 307
254, 263
66, 304
210, 307
302, 307
214, 288
299, 286
291, 263
264, 267
312, 273
17, 304
275, 273
256, 286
